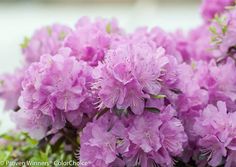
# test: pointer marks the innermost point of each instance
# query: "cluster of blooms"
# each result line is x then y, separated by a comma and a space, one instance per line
207, 81
223, 29
45, 40
145, 140
10, 88
216, 129
147, 98
90, 41
210, 8
122, 81
55, 89
193, 45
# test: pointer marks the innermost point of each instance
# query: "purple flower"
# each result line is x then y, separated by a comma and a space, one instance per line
210, 8
47, 40
205, 86
231, 161
91, 40
216, 132
57, 87
196, 45
32, 122
159, 136
136, 99
142, 135
226, 41
129, 74
222, 34
193, 95
103, 140
10, 88
200, 86
138, 140
156, 37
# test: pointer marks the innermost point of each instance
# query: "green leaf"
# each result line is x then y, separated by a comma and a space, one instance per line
213, 30
32, 141
224, 29
7, 137
62, 156
62, 35
43, 156
48, 150
108, 28
49, 29
20, 147
25, 43
193, 65
5, 155
158, 96
152, 109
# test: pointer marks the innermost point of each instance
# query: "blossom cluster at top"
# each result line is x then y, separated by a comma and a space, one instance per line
146, 98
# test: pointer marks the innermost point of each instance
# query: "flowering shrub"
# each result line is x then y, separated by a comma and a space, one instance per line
114, 99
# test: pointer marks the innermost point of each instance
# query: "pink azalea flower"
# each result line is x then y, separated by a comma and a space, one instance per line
91, 40
10, 88
129, 74
47, 40
57, 87
103, 140
215, 129
210, 8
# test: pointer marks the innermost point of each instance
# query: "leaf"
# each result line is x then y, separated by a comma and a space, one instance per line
62, 156
193, 65
108, 28
49, 29
48, 150
32, 141
62, 36
213, 30
152, 109
158, 96
25, 43
224, 29
43, 156
21, 147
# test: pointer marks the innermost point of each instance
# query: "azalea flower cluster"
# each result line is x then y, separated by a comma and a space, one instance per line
216, 129
131, 141
146, 98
